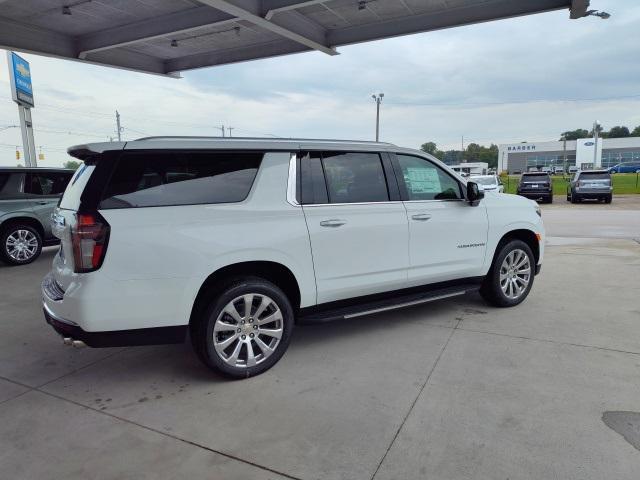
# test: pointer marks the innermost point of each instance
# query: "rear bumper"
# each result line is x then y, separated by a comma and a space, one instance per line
53, 308
535, 194
584, 193
116, 338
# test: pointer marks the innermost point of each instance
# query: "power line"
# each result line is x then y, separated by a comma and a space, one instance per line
511, 102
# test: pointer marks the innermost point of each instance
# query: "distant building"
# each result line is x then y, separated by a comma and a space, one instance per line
523, 157
471, 168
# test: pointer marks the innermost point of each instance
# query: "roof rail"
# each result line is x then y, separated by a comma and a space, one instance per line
261, 139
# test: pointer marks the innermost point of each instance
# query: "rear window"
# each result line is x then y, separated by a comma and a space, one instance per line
3, 180
594, 176
535, 178
184, 178
71, 197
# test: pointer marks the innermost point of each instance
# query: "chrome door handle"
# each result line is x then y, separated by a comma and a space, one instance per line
421, 217
332, 223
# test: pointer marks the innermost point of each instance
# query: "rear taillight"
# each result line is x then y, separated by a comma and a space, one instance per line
89, 238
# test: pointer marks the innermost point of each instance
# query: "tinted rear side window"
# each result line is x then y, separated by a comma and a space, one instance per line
354, 177
3, 180
183, 178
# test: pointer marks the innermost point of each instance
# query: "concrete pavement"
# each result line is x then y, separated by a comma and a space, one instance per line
451, 390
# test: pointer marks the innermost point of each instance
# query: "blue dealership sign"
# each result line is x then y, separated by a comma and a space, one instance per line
20, 76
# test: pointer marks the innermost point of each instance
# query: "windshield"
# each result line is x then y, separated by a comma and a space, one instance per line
484, 180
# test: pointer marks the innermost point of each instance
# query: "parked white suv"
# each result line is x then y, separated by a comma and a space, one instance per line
235, 240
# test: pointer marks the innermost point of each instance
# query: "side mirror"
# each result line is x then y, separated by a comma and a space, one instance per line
474, 194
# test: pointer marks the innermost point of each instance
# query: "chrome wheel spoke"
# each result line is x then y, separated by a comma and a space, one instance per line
266, 349
251, 358
221, 326
263, 305
275, 316
230, 309
271, 333
225, 343
233, 358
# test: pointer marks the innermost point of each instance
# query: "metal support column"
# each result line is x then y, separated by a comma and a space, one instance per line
28, 142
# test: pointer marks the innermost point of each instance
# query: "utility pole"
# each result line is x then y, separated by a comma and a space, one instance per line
118, 127
230, 128
378, 99
221, 127
596, 124
462, 160
564, 153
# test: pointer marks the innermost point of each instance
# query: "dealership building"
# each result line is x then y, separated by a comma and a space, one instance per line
607, 152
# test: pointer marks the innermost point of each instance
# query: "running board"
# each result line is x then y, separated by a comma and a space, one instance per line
392, 303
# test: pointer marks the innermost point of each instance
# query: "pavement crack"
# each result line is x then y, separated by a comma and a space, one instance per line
545, 340
415, 400
169, 435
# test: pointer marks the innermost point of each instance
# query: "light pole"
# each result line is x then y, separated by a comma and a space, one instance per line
378, 99
596, 124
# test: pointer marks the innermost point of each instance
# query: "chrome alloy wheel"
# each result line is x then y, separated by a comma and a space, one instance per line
248, 330
515, 274
21, 245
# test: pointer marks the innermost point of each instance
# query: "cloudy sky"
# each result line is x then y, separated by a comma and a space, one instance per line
500, 82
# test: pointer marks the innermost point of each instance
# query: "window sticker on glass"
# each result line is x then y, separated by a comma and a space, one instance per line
422, 180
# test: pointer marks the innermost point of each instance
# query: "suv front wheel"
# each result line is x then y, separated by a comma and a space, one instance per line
20, 244
510, 278
245, 329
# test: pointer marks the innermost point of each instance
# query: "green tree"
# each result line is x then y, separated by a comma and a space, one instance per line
618, 132
636, 132
575, 134
432, 149
72, 164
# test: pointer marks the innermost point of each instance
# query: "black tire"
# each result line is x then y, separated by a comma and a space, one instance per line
202, 329
491, 290
608, 199
550, 199
11, 230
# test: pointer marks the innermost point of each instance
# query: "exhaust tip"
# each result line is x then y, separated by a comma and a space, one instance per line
78, 344
67, 341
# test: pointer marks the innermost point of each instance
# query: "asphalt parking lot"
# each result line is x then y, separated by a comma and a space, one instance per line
450, 390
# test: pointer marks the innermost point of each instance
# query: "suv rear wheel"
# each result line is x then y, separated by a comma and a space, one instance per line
510, 278
245, 329
19, 244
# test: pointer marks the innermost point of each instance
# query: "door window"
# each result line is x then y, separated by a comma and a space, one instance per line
354, 177
423, 180
46, 183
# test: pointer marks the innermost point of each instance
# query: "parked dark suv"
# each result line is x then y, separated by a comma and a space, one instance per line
590, 184
536, 186
28, 196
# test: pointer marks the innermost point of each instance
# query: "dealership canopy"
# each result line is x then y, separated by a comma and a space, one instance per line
167, 36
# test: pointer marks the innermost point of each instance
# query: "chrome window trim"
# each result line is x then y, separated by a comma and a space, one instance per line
292, 180
388, 202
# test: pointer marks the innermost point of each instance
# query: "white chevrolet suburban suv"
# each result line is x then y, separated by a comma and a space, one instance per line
233, 241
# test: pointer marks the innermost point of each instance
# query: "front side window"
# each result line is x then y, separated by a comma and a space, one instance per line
46, 183
354, 177
183, 178
423, 180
